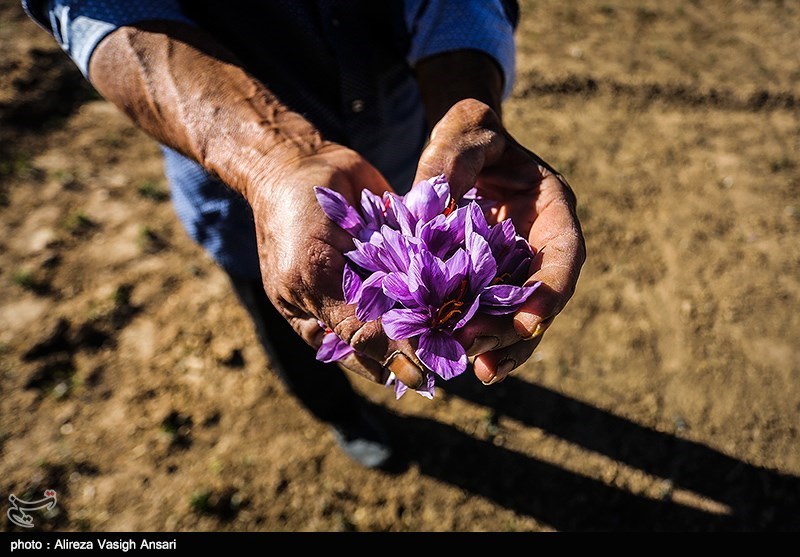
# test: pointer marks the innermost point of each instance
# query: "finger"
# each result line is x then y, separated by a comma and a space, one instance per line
485, 333
365, 367
494, 367
360, 363
560, 249
466, 140
369, 340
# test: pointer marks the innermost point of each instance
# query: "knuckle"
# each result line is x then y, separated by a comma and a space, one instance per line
363, 337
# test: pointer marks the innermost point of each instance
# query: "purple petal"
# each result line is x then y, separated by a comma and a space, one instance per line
501, 299
428, 198
443, 354
520, 273
406, 221
397, 249
333, 348
401, 324
502, 239
475, 304
400, 388
440, 184
427, 389
372, 302
483, 266
351, 285
395, 286
372, 209
390, 199
503, 233
476, 221
472, 195
336, 207
427, 275
457, 270
367, 256
443, 234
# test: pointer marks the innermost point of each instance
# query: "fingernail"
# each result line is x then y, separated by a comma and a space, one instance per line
505, 367
525, 322
483, 344
491, 381
405, 370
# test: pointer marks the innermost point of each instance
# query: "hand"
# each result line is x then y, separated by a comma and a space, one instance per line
470, 147
301, 256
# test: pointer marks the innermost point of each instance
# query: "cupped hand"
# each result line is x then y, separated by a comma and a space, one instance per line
471, 147
301, 257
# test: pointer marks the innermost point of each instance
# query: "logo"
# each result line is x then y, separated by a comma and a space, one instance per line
17, 514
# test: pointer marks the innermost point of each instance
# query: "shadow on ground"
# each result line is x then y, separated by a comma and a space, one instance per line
758, 499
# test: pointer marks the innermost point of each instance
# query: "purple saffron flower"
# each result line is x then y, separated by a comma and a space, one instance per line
426, 264
423, 202
438, 298
512, 256
387, 251
359, 225
428, 198
333, 348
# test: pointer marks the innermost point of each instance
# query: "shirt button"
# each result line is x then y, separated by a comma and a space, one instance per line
357, 106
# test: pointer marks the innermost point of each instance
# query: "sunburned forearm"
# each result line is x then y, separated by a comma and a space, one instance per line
182, 88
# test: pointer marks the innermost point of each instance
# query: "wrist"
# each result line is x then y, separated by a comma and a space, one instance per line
264, 147
447, 78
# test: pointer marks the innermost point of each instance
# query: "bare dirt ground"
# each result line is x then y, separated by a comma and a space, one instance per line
665, 397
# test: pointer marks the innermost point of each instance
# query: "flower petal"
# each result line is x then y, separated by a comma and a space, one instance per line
372, 209
428, 388
333, 348
373, 302
472, 195
443, 354
428, 198
483, 267
467, 315
336, 207
389, 199
400, 389
501, 299
401, 324
476, 221
398, 212
397, 249
457, 270
367, 255
443, 234
351, 285
395, 286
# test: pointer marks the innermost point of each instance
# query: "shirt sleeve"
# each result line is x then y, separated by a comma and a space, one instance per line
80, 25
438, 26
